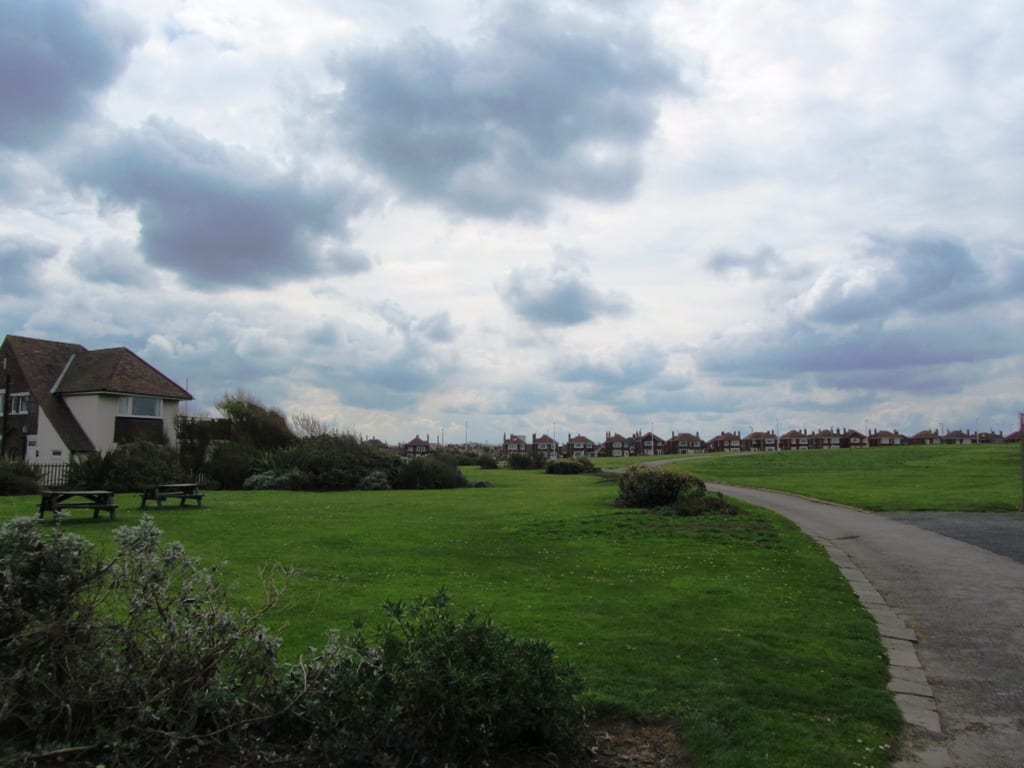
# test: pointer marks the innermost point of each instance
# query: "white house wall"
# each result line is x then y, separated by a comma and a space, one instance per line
95, 415
48, 448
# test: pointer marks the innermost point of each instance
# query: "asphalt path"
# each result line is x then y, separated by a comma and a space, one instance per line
965, 604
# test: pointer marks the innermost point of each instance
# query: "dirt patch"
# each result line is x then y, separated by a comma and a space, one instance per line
625, 744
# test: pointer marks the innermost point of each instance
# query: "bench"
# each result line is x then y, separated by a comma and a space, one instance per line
181, 491
58, 501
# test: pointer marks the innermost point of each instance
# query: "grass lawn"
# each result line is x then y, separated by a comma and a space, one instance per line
739, 626
970, 478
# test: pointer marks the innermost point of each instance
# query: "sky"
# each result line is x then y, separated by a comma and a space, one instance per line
466, 219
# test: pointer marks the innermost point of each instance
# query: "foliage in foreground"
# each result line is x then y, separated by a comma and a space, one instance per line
682, 493
139, 660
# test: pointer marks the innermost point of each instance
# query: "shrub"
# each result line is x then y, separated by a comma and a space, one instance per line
644, 486
129, 467
332, 462
17, 477
429, 472
137, 660
487, 461
136, 657
230, 464
429, 689
522, 461
566, 467
377, 480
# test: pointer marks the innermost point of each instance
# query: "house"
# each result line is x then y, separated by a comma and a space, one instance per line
851, 438
883, 437
649, 444
514, 445
825, 439
760, 442
615, 445
684, 442
794, 440
926, 437
958, 437
578, 446
546, 447
62, 400
726, 442
417, 447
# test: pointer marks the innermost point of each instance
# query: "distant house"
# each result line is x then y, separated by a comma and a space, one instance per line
825, 439
514, 445
925, 437
726, 442
61, 400
851, 438
958, 437
760, 442
649, 444
684, 442
417, 447
794, 440
579, 446
545, 447
615, 445
991, 438
883, 437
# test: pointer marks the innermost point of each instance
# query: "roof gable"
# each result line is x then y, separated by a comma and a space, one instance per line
118, 371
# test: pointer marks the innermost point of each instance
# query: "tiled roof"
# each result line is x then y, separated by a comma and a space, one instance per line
117, 370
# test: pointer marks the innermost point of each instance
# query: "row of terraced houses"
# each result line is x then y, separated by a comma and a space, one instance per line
650, 444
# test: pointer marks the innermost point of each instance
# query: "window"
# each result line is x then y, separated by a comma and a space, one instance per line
143, 407
17, 404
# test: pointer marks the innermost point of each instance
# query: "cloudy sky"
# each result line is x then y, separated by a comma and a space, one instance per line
466, 218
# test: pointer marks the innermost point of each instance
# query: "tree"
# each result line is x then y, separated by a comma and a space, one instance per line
254, 424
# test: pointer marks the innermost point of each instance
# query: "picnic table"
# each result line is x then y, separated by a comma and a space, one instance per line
58, 501
163, 491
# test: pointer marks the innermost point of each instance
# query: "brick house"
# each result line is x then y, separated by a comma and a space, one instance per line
795, 440
579, 446
684, 442
545, 447
759, 442
615, 445
726, 442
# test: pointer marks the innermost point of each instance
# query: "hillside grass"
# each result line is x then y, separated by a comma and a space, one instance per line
972, 478
739, 626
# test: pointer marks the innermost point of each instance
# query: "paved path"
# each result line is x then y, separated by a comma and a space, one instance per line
964, 609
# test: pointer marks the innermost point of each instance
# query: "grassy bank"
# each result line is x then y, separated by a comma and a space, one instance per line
984, 478
740, 626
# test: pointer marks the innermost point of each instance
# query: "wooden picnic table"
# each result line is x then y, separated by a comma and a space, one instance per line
58, 501
163, 491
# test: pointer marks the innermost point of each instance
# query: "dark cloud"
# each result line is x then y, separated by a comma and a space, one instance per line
763, 263
919, 274
21, 263
219, 216
559, 296
111, 261
55, 58
907, 312
541, 103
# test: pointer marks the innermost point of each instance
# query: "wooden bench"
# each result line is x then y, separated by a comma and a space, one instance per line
58, 501
181, 491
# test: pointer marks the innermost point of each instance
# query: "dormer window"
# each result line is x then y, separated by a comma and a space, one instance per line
140, 407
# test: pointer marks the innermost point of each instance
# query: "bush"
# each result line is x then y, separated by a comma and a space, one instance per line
428, 689
566, 467
230, 464
136, 657
137, 660
332, 462
524, 461
429, 472
129, 467
17, 477
645, 486
487, 461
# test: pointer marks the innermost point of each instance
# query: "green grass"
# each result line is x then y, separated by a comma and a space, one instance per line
739, 626
965, 478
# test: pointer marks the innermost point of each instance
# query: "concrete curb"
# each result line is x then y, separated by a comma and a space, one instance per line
907, 680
